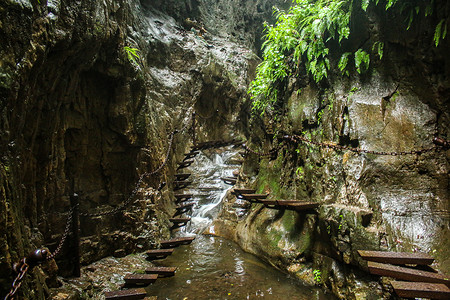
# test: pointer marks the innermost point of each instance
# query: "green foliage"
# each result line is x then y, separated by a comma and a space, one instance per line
298, 42
362, 61
440, 32
300, 172
132, 54
343, 61
317, 276
379, 48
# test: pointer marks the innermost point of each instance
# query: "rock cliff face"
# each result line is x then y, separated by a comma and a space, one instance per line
376, 202
80, 114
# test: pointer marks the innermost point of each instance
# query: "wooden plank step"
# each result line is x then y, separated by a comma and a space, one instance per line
182, 176
179, 220
397, 258
407, 289
159, 253
176, 242
290, 204
185, 164
302, 206
185, 205
183, 196
243, 191
133, 294
140, 279
407, 274
229, 180
183, 208
254, 196
178, 185
181, 182
191, 154
162, 271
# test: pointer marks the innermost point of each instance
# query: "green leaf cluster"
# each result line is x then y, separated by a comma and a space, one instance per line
132, 55
297, 43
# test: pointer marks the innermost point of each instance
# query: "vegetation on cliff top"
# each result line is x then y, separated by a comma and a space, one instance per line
299, 42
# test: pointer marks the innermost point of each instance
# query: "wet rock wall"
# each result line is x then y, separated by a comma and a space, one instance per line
371, 202
78, 115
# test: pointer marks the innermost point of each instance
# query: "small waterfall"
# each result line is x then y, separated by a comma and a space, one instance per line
207, 187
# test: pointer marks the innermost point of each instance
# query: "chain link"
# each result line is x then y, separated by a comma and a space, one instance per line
297, 138
25, 266
18, 281
65, 234
144, 175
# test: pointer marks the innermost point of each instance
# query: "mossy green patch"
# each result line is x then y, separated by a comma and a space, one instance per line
269, 179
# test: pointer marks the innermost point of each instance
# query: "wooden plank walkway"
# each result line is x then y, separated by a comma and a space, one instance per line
185, 164
139, 279
159, 253
179, 220
254, 197
229, 180
133, 294
407, 274
162, 271
183, 208
178, 185
406, 289
397, 258
290, 204
175, 242
239, 192
191, 154
182, 176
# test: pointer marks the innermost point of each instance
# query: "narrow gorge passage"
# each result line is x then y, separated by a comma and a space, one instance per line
342, 108
213, 267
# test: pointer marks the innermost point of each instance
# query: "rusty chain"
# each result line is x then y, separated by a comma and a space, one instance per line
65, 234
40, 255
144, 175
18, 281
439, 144
297, 138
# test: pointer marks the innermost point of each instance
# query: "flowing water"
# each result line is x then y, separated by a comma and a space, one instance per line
215, 268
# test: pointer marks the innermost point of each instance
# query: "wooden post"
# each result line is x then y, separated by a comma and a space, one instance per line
74, 202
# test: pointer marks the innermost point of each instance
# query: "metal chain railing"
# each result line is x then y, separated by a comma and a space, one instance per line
141, 178
37, 257
40, 255
297, 139
18, 281
64, 237
439, 145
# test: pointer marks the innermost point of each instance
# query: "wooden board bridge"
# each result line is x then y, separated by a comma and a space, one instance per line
414, 282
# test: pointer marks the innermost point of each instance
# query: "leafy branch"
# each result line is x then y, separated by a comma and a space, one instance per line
297, 43
133, 55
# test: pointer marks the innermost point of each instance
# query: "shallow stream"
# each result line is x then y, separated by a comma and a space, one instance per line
215, 268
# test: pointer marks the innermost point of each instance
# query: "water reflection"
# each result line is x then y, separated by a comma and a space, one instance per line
214, 268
